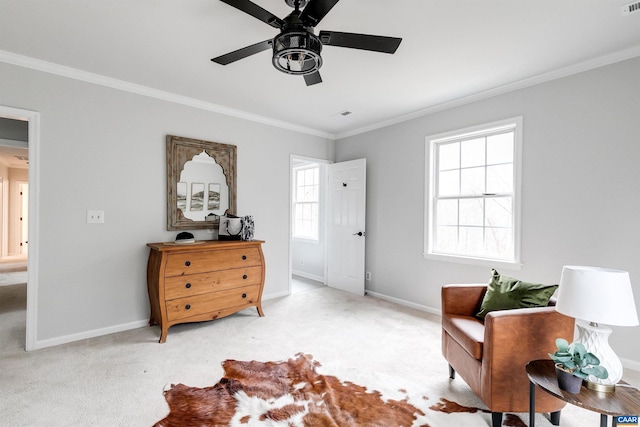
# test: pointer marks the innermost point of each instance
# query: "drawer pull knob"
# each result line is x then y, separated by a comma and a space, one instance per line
244, 257
244, 277
244, 295
187, 307
188, 285
188, 263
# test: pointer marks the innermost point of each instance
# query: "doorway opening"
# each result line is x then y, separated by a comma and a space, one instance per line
18, 219
308, 261
14, 139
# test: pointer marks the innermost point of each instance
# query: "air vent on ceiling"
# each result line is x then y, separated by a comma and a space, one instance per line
343, 113
629, 8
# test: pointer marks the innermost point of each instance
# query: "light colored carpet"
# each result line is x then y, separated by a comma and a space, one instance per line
302, 284
118, 380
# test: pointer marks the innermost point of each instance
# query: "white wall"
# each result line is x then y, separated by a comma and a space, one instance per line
580, 203
308, 259
102, 148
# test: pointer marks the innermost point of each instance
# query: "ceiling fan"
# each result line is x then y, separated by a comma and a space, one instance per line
296, 50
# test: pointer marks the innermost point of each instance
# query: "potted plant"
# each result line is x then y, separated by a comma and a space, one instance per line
574, 364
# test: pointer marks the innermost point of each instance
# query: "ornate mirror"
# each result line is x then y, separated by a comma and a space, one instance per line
201, 183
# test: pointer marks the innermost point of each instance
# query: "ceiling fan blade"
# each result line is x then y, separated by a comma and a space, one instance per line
313, 78
360, 41
316, 10
256, 11
242, 53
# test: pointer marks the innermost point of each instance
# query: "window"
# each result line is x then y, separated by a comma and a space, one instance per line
474, 193
305, 203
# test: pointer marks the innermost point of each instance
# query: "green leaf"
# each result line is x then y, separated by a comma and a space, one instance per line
579, 348
591, 359
560, 359
580, 361
597, 371
562, 344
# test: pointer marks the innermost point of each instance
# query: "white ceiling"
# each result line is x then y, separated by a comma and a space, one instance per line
451, 49
14, 157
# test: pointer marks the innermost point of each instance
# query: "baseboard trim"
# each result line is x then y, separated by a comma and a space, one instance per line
405, 303
275, 295
308, 276
626, 363
630, 364
65, 339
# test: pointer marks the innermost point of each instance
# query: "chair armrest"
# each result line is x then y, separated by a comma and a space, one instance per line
531, 331
462, 300
514, 337
503, 327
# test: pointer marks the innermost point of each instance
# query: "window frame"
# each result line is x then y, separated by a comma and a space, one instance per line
295, 202
431, 180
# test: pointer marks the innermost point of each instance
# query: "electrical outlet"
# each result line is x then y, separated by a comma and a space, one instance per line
368, 275
95, 217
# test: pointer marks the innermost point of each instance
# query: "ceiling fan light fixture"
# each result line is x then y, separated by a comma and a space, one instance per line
297, 52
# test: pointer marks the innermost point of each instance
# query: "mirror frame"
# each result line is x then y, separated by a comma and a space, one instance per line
180, 150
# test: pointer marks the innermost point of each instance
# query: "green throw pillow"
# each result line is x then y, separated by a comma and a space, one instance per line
505, 293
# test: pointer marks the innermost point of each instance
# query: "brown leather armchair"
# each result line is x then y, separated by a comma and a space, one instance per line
491, 356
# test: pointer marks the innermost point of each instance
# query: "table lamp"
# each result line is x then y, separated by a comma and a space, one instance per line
592, 296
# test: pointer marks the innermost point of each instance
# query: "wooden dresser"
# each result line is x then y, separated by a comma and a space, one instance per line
201, 281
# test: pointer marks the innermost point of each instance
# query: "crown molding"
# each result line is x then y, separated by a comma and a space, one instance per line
74, 73
612, 58
98, 79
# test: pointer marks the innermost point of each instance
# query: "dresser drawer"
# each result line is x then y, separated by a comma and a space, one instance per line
182, 263
183, 308
196, 284
202, 282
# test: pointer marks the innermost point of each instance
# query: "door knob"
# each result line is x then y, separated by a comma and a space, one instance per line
359, 233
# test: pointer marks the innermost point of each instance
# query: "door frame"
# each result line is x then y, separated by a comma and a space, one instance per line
33, 118
323, 207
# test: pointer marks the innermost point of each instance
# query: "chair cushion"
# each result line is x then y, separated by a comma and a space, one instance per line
467, 331
505, 293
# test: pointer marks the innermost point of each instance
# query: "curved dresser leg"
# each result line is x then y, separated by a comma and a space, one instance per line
260, 312
163, 335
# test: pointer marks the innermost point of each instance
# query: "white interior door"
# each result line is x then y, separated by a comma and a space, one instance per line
346, 225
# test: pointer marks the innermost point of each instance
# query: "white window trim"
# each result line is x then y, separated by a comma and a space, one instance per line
306, 239
430, 142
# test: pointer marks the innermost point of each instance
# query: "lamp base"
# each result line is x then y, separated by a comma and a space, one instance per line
603, 388
596, 339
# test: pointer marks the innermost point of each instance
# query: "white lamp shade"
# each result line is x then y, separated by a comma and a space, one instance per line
597, 295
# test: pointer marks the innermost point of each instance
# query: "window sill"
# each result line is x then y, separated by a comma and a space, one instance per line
485, 262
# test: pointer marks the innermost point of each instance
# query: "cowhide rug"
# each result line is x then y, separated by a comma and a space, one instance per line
294, 394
